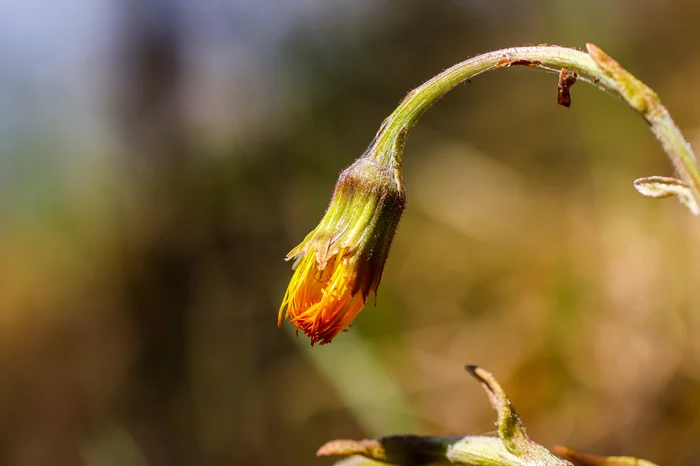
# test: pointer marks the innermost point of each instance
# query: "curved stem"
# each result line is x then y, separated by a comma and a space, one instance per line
595, 67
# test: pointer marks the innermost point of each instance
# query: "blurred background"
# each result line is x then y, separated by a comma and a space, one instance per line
158, 159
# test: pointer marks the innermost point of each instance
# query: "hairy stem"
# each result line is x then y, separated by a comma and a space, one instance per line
594, 67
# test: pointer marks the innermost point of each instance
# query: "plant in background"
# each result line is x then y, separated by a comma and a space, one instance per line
512, 447
341, 261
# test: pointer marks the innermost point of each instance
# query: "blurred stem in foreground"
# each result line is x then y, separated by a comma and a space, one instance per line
584, 459
595, 67
512, 447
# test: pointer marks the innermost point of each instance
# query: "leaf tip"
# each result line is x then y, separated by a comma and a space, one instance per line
659, 187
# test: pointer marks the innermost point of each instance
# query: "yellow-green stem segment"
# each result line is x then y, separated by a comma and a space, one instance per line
595, 67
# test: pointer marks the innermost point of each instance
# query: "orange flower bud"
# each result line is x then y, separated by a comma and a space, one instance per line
340, 262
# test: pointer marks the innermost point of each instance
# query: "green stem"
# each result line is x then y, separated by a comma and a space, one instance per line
594, 67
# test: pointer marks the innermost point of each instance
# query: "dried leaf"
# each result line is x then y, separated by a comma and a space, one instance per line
662, 186
584, 459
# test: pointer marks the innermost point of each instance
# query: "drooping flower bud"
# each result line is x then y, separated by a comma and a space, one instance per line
340, 262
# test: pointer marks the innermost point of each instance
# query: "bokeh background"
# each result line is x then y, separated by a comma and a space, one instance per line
158, 158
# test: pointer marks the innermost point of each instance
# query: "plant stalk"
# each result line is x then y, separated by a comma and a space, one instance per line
594, 67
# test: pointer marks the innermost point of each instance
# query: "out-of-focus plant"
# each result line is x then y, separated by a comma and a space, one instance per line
341, 261
585, 459
512, 447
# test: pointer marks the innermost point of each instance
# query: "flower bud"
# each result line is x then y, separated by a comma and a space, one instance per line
340, 262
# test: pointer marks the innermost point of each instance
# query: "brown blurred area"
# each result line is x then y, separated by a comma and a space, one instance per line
159, 158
